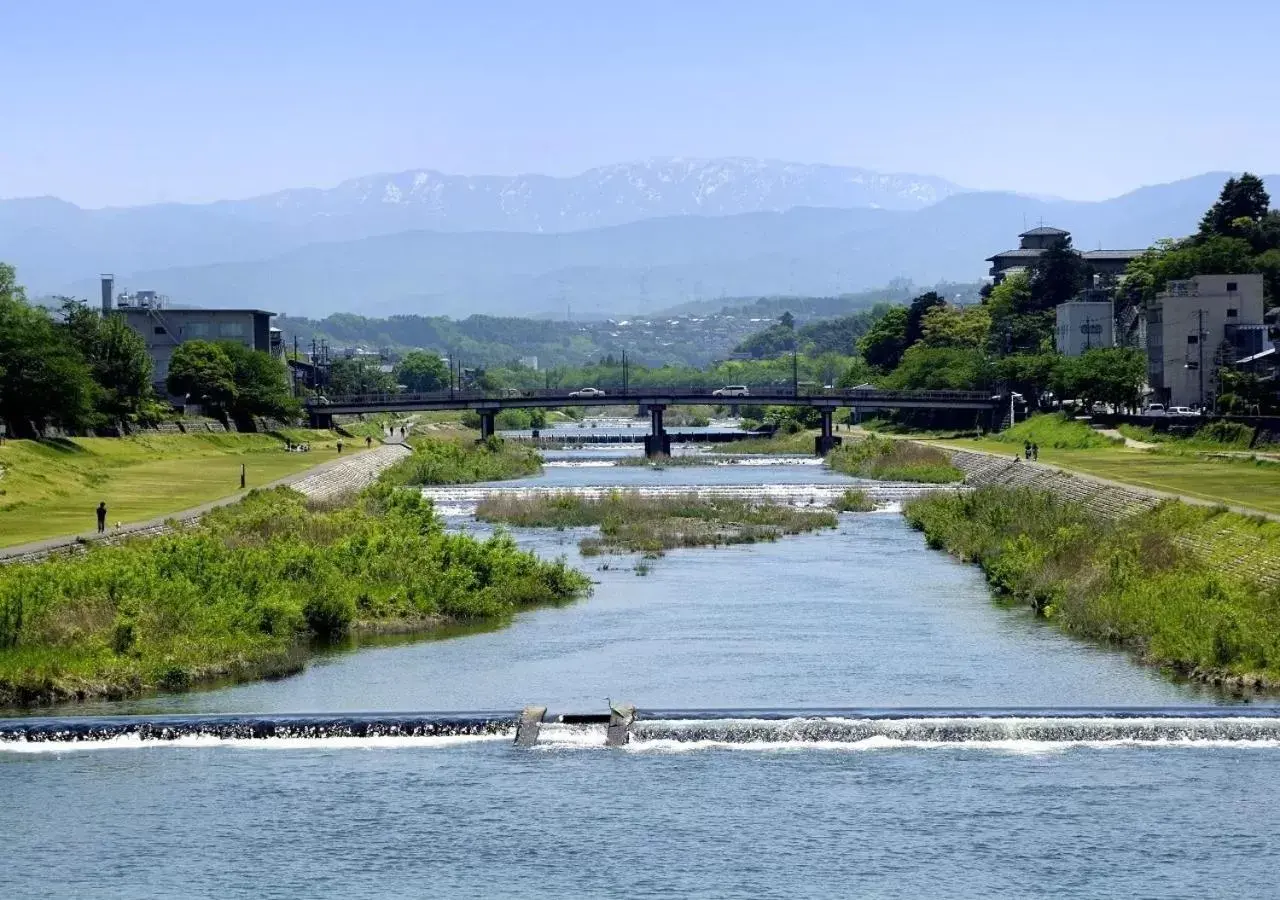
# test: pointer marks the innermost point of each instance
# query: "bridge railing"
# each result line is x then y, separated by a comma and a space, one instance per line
555, 395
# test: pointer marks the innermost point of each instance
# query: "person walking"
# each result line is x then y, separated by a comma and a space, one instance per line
242, 476
1026, 449
368, 442
102, 517
1035, 451
339, 446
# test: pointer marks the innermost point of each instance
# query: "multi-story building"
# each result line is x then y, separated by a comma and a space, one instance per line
1107, 265
164, 328
1195, 326
1084, 324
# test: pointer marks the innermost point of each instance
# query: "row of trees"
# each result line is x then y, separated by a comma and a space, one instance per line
74, 371
229, 379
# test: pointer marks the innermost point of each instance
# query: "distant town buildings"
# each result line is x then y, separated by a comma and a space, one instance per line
529, 362
1107, 265
1196, 326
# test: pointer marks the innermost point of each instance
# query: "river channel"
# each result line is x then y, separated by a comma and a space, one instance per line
863, 616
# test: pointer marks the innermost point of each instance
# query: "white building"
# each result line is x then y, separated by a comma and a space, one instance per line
1084, 325
1195, 325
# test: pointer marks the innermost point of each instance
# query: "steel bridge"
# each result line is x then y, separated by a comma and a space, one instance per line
656, 400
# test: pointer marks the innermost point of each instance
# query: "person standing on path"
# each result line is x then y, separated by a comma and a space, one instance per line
102, 517
339, 446
242, 476
1035, 451
368, 442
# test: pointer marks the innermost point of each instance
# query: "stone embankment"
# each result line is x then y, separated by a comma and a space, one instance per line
1247, 553
322, 483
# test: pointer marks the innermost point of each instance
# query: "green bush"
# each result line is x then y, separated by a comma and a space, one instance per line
887, 459
436, 461
1057, 431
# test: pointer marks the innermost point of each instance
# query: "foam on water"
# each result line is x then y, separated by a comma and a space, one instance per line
1049, 733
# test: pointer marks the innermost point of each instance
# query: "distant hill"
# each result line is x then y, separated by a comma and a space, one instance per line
55, 243
660, 263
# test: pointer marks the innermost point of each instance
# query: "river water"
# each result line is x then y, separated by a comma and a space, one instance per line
935, 803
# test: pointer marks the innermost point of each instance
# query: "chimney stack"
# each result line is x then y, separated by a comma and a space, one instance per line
108, 285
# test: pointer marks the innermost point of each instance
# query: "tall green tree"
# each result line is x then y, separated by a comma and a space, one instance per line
202, 372
885, 342
916, 312
420, 371
1244, 201
359, 375
117, 358
262, 386
43, 379
1058, 275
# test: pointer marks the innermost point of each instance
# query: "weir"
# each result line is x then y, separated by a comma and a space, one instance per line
624, 724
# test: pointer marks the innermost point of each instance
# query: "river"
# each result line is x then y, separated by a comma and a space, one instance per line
864, 616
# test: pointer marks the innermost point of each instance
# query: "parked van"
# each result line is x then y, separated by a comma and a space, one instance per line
1155, 409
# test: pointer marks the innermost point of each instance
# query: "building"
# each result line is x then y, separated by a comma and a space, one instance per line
1194, 327
1107, 265
164, 328
529, 362
1084, 324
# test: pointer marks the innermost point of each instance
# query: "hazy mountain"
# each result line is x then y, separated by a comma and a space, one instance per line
657, 263
54, 242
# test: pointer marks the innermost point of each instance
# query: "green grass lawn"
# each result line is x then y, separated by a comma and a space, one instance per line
51, 488
1235, 482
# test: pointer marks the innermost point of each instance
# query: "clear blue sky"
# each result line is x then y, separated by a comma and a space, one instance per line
110, 102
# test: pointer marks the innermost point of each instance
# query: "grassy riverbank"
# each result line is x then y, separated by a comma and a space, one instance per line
630, 522
799, 443
243, 594
887, 459
50, 488
463, 461
1160, 582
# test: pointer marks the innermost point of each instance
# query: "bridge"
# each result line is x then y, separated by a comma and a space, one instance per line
656, 400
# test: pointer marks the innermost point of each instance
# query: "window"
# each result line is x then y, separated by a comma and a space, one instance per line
196, 329
160, 330
1192, 339
1232, 287
1233, 313
231, 329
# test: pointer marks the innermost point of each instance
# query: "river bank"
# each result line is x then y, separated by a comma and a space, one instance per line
1163, 579
243, 593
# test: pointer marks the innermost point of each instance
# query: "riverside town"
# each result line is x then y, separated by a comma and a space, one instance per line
707, 526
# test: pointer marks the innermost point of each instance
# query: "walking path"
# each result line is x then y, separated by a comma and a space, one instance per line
328, 479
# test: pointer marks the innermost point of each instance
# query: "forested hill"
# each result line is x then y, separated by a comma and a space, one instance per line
669, 339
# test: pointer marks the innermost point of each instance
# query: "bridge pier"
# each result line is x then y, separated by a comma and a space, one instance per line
321, 421
825, 442
657, 442
488, 423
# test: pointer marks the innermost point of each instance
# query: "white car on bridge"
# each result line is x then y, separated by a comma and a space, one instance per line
732, 390
587, 392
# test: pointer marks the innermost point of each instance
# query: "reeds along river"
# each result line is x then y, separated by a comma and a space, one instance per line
936, 802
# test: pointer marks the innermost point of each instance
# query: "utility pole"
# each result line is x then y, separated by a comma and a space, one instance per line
795, 372
1200, 346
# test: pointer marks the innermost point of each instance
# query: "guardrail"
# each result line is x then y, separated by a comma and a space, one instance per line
556, 395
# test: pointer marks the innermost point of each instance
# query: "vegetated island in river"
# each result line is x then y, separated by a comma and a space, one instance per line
248, 591
631, 522
1165, 582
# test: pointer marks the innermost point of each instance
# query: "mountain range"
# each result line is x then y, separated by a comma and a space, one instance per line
619, 239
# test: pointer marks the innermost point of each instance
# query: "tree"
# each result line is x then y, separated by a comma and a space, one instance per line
788, 321
117, 358
202, 372
1017, 325
359, 375
916, 312
885, 342
420, 372
941, 368
774, 340
1111, 375
1244, 201
953, 326
1032, 374
262, 388
43, 378
1058, 275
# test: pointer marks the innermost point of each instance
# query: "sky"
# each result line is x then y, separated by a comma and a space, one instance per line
111, 102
